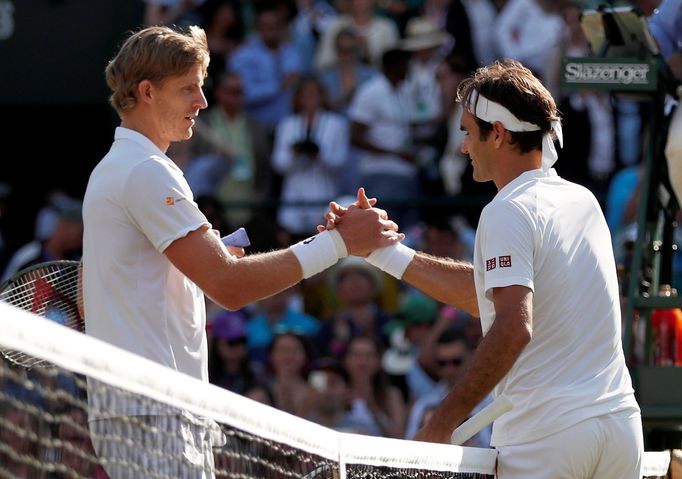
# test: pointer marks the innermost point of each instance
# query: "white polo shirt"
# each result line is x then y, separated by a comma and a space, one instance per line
136, 204
545, 233
385, 111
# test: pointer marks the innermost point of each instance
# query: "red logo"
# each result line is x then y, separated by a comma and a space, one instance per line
490, 264
505, 261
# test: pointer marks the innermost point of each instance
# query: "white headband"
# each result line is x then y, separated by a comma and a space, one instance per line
491, 112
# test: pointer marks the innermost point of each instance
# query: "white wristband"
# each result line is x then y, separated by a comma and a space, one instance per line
319, 252
392, 259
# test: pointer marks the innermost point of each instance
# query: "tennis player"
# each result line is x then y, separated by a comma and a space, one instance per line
150, 255
544, 285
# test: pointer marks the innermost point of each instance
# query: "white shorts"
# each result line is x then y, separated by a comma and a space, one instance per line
604, 447
153, 446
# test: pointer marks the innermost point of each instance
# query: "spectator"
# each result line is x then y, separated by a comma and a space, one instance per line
229, 365
412, 337
312, 18
453, 163
328, 402
269, 65
277, 314
342, 78
311, 145
288, 360
381, 130
224, 32
518, 27
374, 400
423, 40
481, 15
356, 287
377, 34
230, 152
59, 236
452, 352
171, 12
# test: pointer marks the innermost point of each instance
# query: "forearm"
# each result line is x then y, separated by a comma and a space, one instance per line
255, 277
492, 360
444, 279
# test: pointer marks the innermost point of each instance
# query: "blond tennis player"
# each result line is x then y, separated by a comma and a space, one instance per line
149, 255
544, 285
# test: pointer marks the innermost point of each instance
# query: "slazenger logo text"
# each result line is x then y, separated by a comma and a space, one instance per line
625, 73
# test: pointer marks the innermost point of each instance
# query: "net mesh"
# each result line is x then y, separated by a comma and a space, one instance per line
175, 426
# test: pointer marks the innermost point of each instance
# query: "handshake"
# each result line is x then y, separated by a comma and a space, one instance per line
359, 230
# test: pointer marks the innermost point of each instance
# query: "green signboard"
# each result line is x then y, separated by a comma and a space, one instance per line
618, 74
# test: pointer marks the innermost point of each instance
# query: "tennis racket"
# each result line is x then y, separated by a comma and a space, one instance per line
481, 419
49, 290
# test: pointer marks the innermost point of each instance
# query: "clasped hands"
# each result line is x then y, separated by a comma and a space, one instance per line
363, 227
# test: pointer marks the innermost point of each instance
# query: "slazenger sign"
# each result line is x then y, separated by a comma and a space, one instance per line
608, 74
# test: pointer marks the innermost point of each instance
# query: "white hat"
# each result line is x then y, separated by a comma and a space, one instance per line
422, 33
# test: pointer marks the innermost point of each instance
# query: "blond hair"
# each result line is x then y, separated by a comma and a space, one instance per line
154, 54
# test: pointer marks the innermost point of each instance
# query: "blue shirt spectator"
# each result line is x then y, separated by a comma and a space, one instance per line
269, 66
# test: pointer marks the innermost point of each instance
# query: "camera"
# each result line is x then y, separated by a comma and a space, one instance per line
306, 147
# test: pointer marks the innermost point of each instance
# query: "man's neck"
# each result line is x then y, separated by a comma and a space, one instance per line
515, 165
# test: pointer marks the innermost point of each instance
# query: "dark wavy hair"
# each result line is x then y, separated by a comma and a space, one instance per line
513, 86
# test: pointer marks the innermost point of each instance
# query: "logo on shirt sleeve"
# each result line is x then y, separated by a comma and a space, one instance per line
505, 261
170, 201
490, 264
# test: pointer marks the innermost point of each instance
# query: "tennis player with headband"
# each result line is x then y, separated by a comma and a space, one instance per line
149, 254
544, 285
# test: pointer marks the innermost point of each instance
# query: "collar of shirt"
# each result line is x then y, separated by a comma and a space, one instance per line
527, 176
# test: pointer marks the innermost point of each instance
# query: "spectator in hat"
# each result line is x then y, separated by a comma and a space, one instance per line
356, 285
428, 44
229, 365
59, 235
413, 337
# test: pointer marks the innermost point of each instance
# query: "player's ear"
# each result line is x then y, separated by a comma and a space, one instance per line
144, 91
499, 131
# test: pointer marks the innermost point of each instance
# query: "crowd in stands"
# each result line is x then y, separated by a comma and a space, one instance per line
310, 99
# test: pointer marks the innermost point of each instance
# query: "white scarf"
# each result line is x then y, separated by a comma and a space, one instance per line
491, 112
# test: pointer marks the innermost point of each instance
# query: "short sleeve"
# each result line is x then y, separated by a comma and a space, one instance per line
507, 244
160, 202
361, 108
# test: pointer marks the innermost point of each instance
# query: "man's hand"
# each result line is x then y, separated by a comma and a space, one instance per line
362, 227
431, 432
336, 211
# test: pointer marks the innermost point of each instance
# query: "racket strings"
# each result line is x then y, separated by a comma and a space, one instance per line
49, 290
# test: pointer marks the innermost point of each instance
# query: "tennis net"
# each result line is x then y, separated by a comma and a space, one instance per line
44, 431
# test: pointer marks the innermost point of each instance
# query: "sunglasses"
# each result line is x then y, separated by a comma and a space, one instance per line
452, 361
